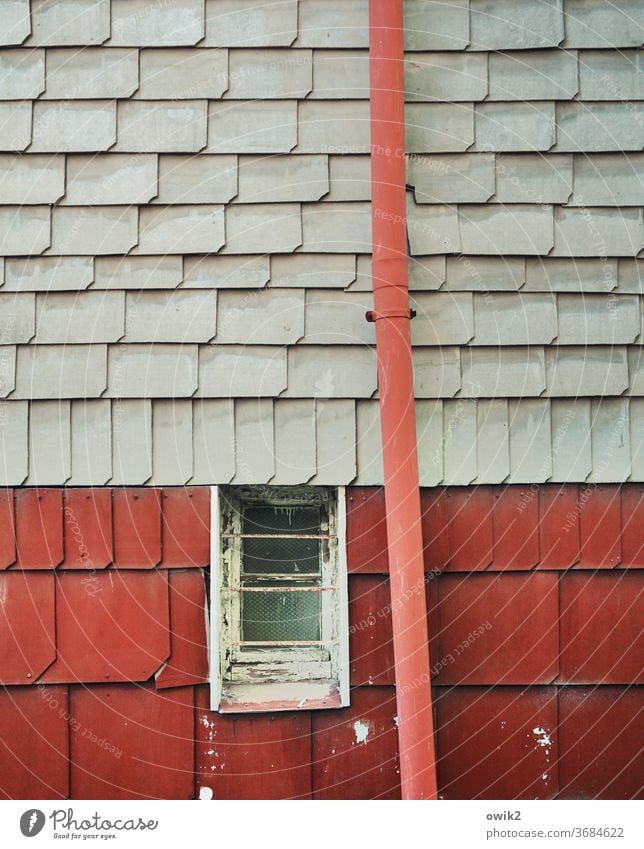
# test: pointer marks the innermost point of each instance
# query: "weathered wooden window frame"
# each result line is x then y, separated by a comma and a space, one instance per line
294, 677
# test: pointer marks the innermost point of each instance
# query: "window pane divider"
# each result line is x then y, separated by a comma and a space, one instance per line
278, 589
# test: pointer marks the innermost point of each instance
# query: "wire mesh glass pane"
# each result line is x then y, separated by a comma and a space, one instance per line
277, 617
286, 556
281, 520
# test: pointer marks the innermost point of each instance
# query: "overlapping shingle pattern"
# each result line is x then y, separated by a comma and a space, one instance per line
185, 225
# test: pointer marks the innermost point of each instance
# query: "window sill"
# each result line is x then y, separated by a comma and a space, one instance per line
295, 695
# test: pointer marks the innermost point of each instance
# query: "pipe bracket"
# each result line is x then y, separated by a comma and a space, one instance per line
378, 315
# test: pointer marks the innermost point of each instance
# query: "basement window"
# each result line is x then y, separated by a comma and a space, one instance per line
279, 632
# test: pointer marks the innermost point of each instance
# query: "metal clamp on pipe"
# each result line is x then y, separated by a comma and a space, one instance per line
378, 315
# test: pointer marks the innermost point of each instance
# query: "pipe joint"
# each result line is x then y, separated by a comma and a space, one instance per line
378, 315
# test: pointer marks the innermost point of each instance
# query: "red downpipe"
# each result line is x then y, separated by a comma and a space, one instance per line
397, 413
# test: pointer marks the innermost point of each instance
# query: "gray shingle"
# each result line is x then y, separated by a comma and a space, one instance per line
368, 444
599, 127
609, 180
496, 25
429, 432
336, 228
82, 22
530, 447
280, 179
460, 465
157, 272
502, 373
436, 24
241, 371
171, 442
170, 316
197, 179
249, 127
7, 371
226, 272
338, 318
437, 372
157, 23
425, 272
595, 370
25, 230
79, 318
61, 371
595, 23
432, 229
506, 318
492, 441
363, 277
333, 23
442, 318
245, 23
610, 440
213, 441
515, 126
93, 230
74, 125
327, 271
636, 412
31, 179
269, 74
295, 450
349, 178
533, 178
152, 371
110, 179
14, 435
484, 273
131, 442
263, 228
46, 274
635, 370
598, 319
336, 442
181, 229
22, 73
631, 276
570, 275
533, 75
91, 73
182, 74
459, 178
340, 74
268, 317
254, 441
16, 22
331, 372
333, 126
49, 443
91, 437
570, 430
162, 127
598, 232
611, 75
518, 229
446, 77
15, 126
439, 127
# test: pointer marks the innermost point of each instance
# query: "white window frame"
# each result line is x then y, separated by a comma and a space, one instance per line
279, 678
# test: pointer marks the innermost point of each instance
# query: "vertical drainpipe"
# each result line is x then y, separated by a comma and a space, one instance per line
392, 315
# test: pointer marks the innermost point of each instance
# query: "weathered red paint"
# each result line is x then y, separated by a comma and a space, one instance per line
471, 536
396, 390
355, 751
366, 530
7, 536
87, 529
515, 520
600, 743
112, 627
434, 522
497, 743
632, 527
137, 528
39, 528
600, 526
188, 661
34, 743
241, 757
371, 648
497, 629
27, 645
602, 628
558, 526
132, 742
185, 530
